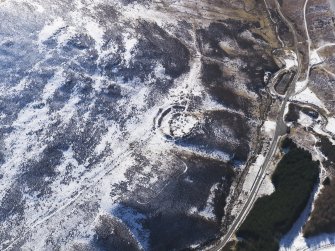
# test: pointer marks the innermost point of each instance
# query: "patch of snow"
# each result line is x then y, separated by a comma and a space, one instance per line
267, 186
290, 63
23, 143
286, 112
331, 125
227, 45
2, 115
96, 32
301, 85
99, 83
294, 239
269, 127
107, 138
213, 105
305, 120
208, 153
314, 58
38, 7
68, 110
129, 44
309, 97
290, 60
66, 35
249, 36
189, 85
53, 84
51, 29
208, 211
194, 246
160, 71
267, 76
188, 180
253, 173
138, 11
183, 125
331, 247
134, 221
68, 159
16, 89
332, 5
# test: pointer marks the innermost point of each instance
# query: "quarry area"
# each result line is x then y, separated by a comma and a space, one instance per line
167, 125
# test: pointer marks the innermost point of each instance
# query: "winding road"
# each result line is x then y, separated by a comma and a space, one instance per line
279, 132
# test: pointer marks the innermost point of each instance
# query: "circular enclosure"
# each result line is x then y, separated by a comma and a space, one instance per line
175, 122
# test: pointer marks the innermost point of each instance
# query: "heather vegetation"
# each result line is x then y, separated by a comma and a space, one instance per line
272, 216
